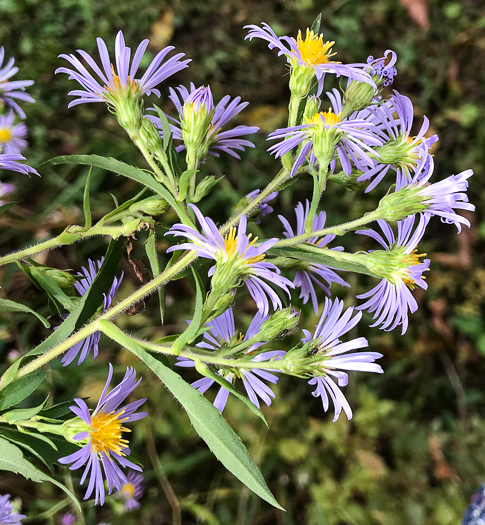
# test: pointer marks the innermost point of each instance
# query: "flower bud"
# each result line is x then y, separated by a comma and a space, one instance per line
280, 324
311, 108
357, 96
150, 136
63, 279
151, 206
204, 187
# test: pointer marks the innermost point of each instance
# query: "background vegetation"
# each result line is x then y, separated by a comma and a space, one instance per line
413, 454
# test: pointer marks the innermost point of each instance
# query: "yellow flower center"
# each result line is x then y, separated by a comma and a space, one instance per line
230, 243
105, 433
329, 117
117, 84
313, 51
5, 135
128, 490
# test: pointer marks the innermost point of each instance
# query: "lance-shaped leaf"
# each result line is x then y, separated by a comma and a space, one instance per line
206, 419
11, 306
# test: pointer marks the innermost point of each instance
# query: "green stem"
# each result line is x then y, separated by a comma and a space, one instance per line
293, 107
110, 314
280, 178
72, 234
165, 179
340, 229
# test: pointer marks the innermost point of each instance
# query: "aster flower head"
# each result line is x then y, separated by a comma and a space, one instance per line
216, 140
406, 154
12, 136
91, 343
310, 274
401, 268
8, 510
118, 84
10, 161
222, 335
326, 136
330, 357
132, 490
237, 259
383, 67
12, 90
100, 435
309, 58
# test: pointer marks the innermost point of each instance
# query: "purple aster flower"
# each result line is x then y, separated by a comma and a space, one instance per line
442, 197
402, 271
325, 134
101, 436
8, 514
475, 514
237, 254
222, 334
12, 90
216, 140
312, 273
111, 86
326, 342
5, 189
91, 343
132, 490
264, 207
310, 52
68, 519
384, 67
12, 137
406, 154
11, 162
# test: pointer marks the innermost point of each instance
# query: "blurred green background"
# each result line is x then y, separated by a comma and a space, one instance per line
413, 453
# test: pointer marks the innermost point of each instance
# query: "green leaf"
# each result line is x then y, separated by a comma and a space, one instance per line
206, 419
184, 182
330, 258
85, 308
233, 390
86, 206
193, 329
316, 24
34, 444
23, 414
10, 306
112, 215
56, 411
120, 168
12, 460
151, 251
17, 391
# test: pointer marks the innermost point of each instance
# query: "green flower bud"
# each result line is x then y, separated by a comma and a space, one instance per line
150, 137
204, 187
357, 96
312, 106
280, 324
151, 206
63, 279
